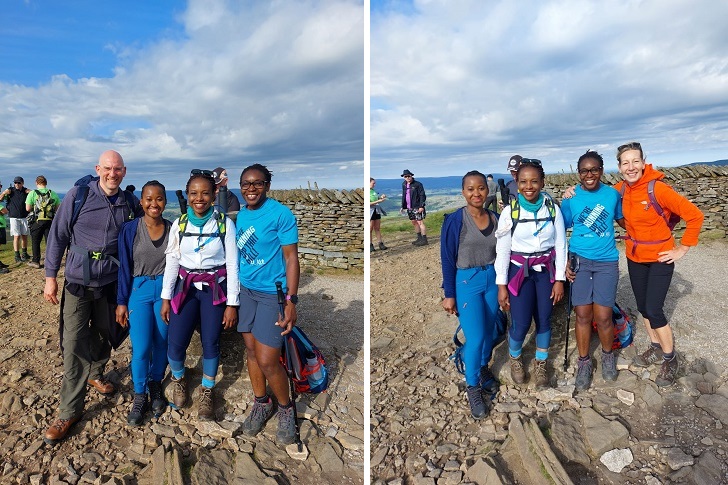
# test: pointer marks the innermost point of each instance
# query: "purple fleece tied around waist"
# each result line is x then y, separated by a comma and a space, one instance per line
514, 285
188, 277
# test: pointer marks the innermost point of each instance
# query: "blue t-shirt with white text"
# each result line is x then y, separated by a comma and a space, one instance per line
592, 216
259, 236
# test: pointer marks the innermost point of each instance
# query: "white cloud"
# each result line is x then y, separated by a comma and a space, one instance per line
466, 84
276, 82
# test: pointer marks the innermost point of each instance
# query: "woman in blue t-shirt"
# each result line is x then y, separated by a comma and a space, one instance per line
592, 212
267, 238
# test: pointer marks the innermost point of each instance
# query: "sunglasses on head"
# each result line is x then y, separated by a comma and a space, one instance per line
531, 161
206, 173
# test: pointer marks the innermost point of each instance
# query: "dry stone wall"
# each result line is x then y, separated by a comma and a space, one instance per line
330, 226
704, 185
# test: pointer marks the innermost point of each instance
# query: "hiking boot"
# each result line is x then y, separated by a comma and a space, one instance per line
609, 366
4, 270
257, 418
3, 265
518, 372
59, 429
382, 247
421, 242
488, 382
371, 247
286, 425
138, 409
541, 378
648, 357
33, 264
416, 241
668, 371
206, 409
24, 257
478, 407
179, 391
584, 372
159, 404
18, 259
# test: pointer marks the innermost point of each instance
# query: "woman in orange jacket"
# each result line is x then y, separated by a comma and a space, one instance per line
651, 250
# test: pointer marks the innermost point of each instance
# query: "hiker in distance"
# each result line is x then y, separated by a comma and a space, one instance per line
591, 213
89, 290
651, 251
142, 244
3, 212
530, 265
267, 238
492, 199
221, 180
513, 164
200, 288
42, 203
413, 202
15, 200
375, 215
467, 255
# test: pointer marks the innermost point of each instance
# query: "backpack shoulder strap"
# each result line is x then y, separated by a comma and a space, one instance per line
78, 201
515, 212
551, 206
653, 199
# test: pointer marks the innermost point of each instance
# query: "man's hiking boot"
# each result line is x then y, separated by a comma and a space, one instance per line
159, 404
33, 264
488, 382
421, 242
179, 391
584, 372
382, 247
371, 247
478, 406
286, 425
668, 371
206, 409
416, 242
24, 257
18, 259
650, 356
518, 372
59, 429
257, 418
138, 409
541, 378
609, 366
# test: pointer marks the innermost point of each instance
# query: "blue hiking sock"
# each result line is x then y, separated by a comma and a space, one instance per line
514, 347
542, 354
208, 383
178, 368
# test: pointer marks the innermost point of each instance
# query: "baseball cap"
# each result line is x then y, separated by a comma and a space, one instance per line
514, 163
219, 174
18, 180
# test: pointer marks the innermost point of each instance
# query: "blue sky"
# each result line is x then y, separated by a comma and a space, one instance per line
464, 85
175, 85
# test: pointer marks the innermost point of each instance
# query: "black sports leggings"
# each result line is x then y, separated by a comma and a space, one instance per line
650, 282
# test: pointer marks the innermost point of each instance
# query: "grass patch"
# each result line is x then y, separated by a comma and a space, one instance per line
396, 224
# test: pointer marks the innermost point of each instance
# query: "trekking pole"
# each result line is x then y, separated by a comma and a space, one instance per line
182, 202
572, 267
289, 362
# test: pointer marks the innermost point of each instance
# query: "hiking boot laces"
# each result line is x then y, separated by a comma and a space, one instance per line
583, 374
648, 357
206, 406
286, 425
140, 400
257, 417
478, 407
540, 374
609, 366
668, 370
179, 392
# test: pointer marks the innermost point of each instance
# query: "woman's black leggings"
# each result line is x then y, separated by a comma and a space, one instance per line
650, 282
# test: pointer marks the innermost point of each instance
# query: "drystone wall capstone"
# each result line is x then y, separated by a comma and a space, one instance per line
330, 226
704, 185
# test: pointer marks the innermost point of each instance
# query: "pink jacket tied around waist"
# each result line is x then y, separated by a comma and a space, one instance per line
526, 261
200, 276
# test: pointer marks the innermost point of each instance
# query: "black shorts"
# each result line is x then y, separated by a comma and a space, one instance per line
376, 216
415, 215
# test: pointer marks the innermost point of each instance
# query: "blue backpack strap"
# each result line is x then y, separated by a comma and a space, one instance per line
457, 356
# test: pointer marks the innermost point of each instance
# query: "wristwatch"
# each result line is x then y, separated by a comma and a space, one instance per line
292, 298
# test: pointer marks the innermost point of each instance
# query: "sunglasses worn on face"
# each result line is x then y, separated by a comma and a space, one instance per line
197, 171
258, 184
593, 171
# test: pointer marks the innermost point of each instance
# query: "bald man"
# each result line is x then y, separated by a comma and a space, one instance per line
89, 292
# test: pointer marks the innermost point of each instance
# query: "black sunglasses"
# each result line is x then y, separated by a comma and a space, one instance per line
531, 161
197, 171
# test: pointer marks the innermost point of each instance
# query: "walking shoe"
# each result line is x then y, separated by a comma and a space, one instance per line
488, 382
33, 264
179, 391
648, 357
421, 242
668, 371
25, 257
17, 259
382, 246
3, 265
417, 241
257, 418
59, 429
478, 407
206, 409
540, 374
609, 366
138, 409
102, 385
159, 404
371, 247
518, 372
584, 372
4, 270
286, 425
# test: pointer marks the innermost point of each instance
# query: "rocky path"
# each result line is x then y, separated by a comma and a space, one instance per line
628, 431
176, 448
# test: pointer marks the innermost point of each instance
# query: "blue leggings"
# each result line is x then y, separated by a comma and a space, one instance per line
196, 308
476, 295
147, 332
533, 302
